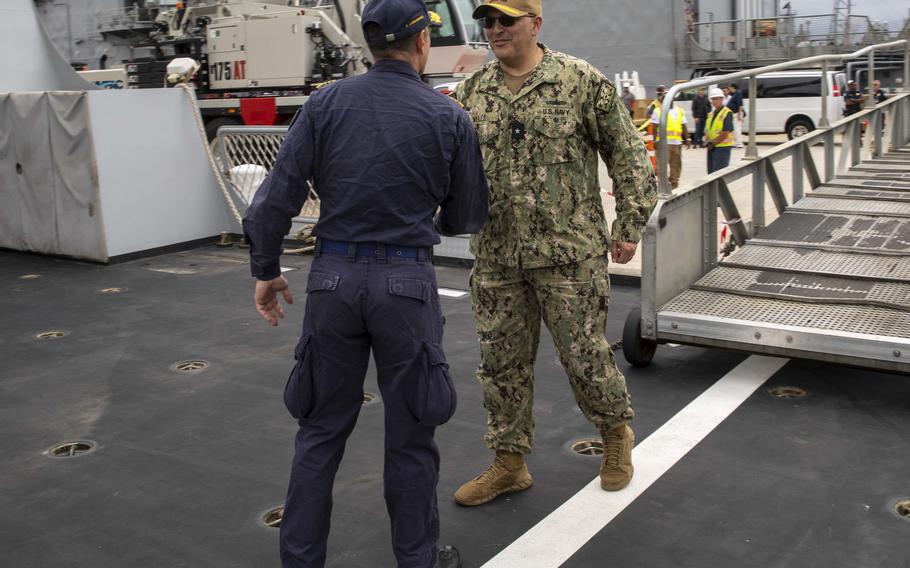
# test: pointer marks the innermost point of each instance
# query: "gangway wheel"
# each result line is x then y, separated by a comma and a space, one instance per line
637, 350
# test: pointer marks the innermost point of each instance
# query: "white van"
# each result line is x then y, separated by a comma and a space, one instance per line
788, 101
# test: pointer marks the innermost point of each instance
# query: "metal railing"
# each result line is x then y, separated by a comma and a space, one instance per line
246, 155
779, 38
752, 74
681, 236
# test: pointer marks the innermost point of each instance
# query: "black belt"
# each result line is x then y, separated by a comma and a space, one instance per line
328, 246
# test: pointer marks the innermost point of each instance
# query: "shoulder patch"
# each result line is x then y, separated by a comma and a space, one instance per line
607, 86
606, 94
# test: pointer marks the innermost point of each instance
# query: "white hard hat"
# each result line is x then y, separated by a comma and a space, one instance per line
715, 92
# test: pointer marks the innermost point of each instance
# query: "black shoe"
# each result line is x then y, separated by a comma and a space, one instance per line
448, 557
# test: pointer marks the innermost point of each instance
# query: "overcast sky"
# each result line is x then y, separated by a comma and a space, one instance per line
887, 10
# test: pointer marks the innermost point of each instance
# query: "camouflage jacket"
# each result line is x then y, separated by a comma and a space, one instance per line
540, 155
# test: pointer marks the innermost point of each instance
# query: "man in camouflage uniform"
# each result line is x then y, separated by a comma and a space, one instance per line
542, 118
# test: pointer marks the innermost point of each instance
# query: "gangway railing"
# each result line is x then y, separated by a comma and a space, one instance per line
681, 240
752, 75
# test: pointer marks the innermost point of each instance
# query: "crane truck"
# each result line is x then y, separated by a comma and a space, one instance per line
258, 60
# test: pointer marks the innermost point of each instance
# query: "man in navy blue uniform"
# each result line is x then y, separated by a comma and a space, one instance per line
383, 151
735, 104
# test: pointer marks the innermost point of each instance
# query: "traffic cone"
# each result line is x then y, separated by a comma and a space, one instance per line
649, 141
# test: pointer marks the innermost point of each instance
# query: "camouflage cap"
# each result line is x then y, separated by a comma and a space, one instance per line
514, 8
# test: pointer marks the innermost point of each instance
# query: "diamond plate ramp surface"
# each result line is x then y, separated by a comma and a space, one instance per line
900, 158
865, 320
870, 176
870, 191
894, 268
873, 166
891, 162
893, 185
829, 279
852, 206
806, 287
838, 232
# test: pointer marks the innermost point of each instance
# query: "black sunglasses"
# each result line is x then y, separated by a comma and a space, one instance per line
505, 21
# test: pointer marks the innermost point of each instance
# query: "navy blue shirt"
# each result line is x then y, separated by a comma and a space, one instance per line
736, 101
853, 101
383, 151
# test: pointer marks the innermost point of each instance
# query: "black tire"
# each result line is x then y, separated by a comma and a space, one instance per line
637, 350
212, 126
799, 127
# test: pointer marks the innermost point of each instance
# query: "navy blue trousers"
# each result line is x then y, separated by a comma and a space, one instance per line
718, 158
698, 137
356, 304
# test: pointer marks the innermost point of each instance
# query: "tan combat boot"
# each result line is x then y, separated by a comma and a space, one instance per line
508, 473
616, 469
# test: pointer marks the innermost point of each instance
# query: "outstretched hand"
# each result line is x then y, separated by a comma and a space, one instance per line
621, 252
266, 298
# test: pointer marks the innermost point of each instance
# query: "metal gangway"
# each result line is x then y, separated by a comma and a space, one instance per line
829, 279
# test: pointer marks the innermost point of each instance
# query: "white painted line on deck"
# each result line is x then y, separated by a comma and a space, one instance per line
287, 269
552, 541
452, 293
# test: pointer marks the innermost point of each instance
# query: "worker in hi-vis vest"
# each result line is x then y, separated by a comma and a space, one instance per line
719, 133
676, 132
658, 95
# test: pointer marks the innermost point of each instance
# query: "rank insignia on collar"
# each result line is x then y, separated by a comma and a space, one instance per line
517, 130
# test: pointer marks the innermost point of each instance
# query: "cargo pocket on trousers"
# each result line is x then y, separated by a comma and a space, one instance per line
299, 393
410, 288
434, 400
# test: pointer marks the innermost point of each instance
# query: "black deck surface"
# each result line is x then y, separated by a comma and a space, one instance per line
806, 483
187, 463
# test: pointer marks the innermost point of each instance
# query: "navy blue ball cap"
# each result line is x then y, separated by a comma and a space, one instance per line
398, 19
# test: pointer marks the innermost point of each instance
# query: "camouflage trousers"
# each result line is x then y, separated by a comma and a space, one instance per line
508, 306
